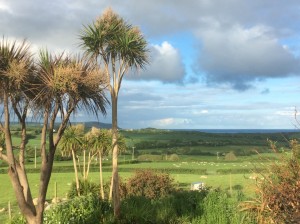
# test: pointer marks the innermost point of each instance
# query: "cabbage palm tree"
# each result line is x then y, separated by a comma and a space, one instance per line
16, 70
54, 86
100, 141
119, 47
71, 141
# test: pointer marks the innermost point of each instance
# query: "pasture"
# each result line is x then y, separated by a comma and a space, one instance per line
200, 157
183, 172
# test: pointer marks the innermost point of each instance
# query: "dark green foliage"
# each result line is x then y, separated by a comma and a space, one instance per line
185, 203
136, 210
150, 184
237, 187
215, 208
180, 207
239, 170
58, 157
205, 207
86, 188
180, 141
18, 220
80, 210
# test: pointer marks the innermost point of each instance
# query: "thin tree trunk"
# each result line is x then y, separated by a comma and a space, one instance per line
76, 173
115, 174
101, 175
84, 170
110, 189
89, 164
27, 208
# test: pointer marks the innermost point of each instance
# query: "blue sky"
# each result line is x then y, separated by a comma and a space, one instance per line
214, 64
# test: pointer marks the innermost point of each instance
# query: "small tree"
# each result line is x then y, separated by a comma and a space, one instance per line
120, 47
54, 86
100, 141
71, 141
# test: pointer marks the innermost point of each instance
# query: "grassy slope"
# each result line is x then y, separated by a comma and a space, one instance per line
203, 142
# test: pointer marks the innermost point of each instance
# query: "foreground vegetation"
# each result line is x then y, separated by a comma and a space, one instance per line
234, 177
148, 197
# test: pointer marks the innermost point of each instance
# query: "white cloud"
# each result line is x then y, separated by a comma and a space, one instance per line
170, 122
289, 112
239, 56
5, 7
199, 112
165, 65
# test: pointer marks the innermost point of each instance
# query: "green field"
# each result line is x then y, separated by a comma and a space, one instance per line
183, 180
199, 157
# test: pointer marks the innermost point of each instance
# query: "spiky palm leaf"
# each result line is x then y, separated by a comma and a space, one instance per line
71, 139
70, 82
114, 40
16, 68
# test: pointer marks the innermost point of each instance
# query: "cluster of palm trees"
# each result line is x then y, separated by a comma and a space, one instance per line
93, 145
50, 89
54, 86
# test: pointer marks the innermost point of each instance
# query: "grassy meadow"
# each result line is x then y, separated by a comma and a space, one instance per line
186, 155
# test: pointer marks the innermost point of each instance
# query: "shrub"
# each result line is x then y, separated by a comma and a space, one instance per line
137, 209
86, 187
149, 157
58, 157
80, 210
277, 198
150, 184
230, 156
122, 188
182, 205
219, 207
173, 157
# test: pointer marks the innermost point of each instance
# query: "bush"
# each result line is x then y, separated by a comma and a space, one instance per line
86, 187
230, 156
80, 210
137, 209
173, 157
219, 207
150, 184
149, 157
277, 198
58, 157
181, 205
204, 207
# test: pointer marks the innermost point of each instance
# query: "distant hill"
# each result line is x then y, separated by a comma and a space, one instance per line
90, 124
87, 124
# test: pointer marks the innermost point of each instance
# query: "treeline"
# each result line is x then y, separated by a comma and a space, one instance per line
150, 139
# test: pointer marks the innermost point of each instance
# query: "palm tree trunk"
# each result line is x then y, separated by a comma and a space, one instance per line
89, 164
110, 190
115, 174
101, 175
76, 173
84, 170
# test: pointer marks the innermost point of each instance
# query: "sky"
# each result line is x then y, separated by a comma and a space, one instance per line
231, 64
